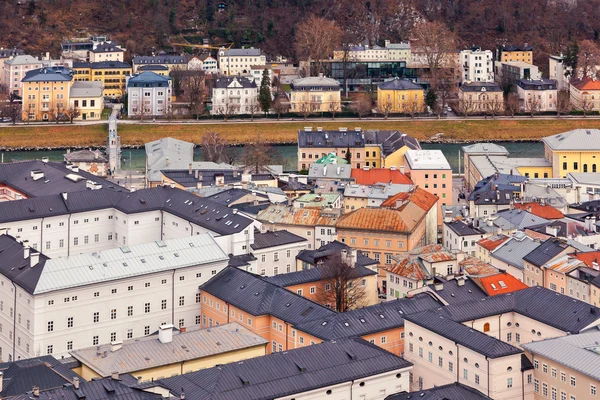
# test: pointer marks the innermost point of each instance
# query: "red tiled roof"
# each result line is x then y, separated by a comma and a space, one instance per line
589, 258
543, 211
409, 268
492, 242
379, 175
500, 284
586, 84
374, 219
421, 197
475, 267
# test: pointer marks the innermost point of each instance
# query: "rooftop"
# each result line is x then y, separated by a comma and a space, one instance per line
285, 373
372, 176
273, 239
484, 149
380, 191
316, 200
493, 242
480, 87
577, 139
586, 83
315, 82
86, 89
476, 268
289, 215
546, 251
541, 210
452, 391
149, 352
517, 219
316, 274
243, 82
461, 228
382, 219
242, 52
500, 283
399, 84
332, 249
167, 153
580, 353
148, 78
88, 156
49, 74
427, 159
331, 158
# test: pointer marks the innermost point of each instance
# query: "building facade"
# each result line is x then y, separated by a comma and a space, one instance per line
149, 95
537, 95
237, 95
477, 65
315, 94
15, 69
480, 97
238, 61
573, 152
400, 96
45, 93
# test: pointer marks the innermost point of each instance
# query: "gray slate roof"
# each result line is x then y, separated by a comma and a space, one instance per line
168, 153
18, 176
485, 148
106, 47
399, 84
461, 228
580, 353
452, 293
480, 87
286, 373
514, 249
87, 156
546, 251
149, 79
315, 275
86, 89
577, 139
243, 52
229, 196
49, 74
331, 249
463, 335
315, 83
149, 352
160, 59
517, 219
274, 239
452, 391
330, 171
223, 83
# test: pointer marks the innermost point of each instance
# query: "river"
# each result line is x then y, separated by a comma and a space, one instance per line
135, 159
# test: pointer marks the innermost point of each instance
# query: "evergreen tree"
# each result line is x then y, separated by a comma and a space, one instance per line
264, 96
431, 99
348, 155
210, 11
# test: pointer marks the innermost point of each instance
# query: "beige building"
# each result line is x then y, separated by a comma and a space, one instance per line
537, 95
46, 93
566, 367
480, 98
107, 51
86, 98
585, 94
170, 353
315, 94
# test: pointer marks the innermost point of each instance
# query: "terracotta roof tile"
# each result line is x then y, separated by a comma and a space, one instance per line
420, 197
500, 284
409, 268
586, 84
491, 243
379, 219
475, 267
589, 258
543, 211
372, 176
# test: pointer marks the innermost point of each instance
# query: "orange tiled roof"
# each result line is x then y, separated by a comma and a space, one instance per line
379, 175
492, 242
475, 267
586, 84
500, 283
543, 211
589, 258
378, 219
420, 197
410, 268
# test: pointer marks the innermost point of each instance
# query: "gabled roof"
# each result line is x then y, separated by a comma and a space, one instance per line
149, 352
577, 139
371, 176
513, 251
452, 391
23, 60
461, 228
223, 83
480, 87
315, 275
546, 251
399, 84
500, 283
493, 242
165, 153
49, 74
308, 83
512, 47
45, 372
420, 197
148, 78
462, 334
331, 158
453, 292
589, 258
283, 374
391, 141
381, 220
474, 267
580, 353
273, 239
586, 83
517, 219
543, 211
289, 215
332, 249
106, 47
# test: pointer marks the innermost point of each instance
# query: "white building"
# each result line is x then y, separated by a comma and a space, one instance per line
458, 235
204, 62
149, 95
390, 52
14, 70
237, 95
239, 61
276, 252
587, 185
477, 65
537, 95
53, 306
557, 70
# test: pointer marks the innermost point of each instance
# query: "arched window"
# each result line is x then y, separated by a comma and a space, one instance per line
486, 327
584, 167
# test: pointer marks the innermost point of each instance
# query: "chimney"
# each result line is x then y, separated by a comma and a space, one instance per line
593, 224
65, 195
36, 391
76, 383
115, 376
182, 396
115, 346
167, 161
439, 286
26, 250
460, 282
190, 168
402, 168
34, 259
139, 379
165, 333
1, 381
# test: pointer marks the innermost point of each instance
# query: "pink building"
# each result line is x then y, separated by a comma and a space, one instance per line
429, 170
14, 71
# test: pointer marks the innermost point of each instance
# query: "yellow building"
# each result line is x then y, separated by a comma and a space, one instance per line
46, 93
400, 96
517, 53
112, 74
107, 51
170, 353
573, 151
315, 94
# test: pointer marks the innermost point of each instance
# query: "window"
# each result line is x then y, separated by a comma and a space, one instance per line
181, 300
313, 289
450, 366
147, 308
96, 317
130, 311
573, 383
50, 349
518, 337
70, 322
113, 336
509, 337
421, 352
536, 385
430, 357
545, 368
50, 326
563, 377
544, 389
593, 390
554, 372
476, 379
554, 395
113, 314
509, 382
465, 374
70, 345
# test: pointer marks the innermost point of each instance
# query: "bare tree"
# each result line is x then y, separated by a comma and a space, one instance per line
195, 90
213, 146
280, 107
495, 106
363, 105
71, 113
587, 105
227, 110
12, 110
532, 105
386, 108
563, 102
587, 59
512, 104
307, 107
334, 108
253, 107
466, 106
315, 40
258, 155
443, 83
410, 107
342, 288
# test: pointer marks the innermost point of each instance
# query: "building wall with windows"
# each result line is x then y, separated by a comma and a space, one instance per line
14, 70
278, 259
43, 99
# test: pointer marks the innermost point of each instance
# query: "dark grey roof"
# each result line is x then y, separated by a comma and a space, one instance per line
532, 302
292, 185
101, 389
88, 156
452, 293
513, 250
45, 372
314, 275
546, 251
589, 206
229, 196
242, 260
285, 373
257, 296
462, 334
461, 228
537, 84
153, 68
6, 53
149, 79
512, 47
452, 391
223, 83
330, 249
480, 87
16, 267
181, 203
363, 321
18, 176
517, 219
49, 74
109, 65
106, 47
205, 177
160, 59
391, 141
399, 84
273, 239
